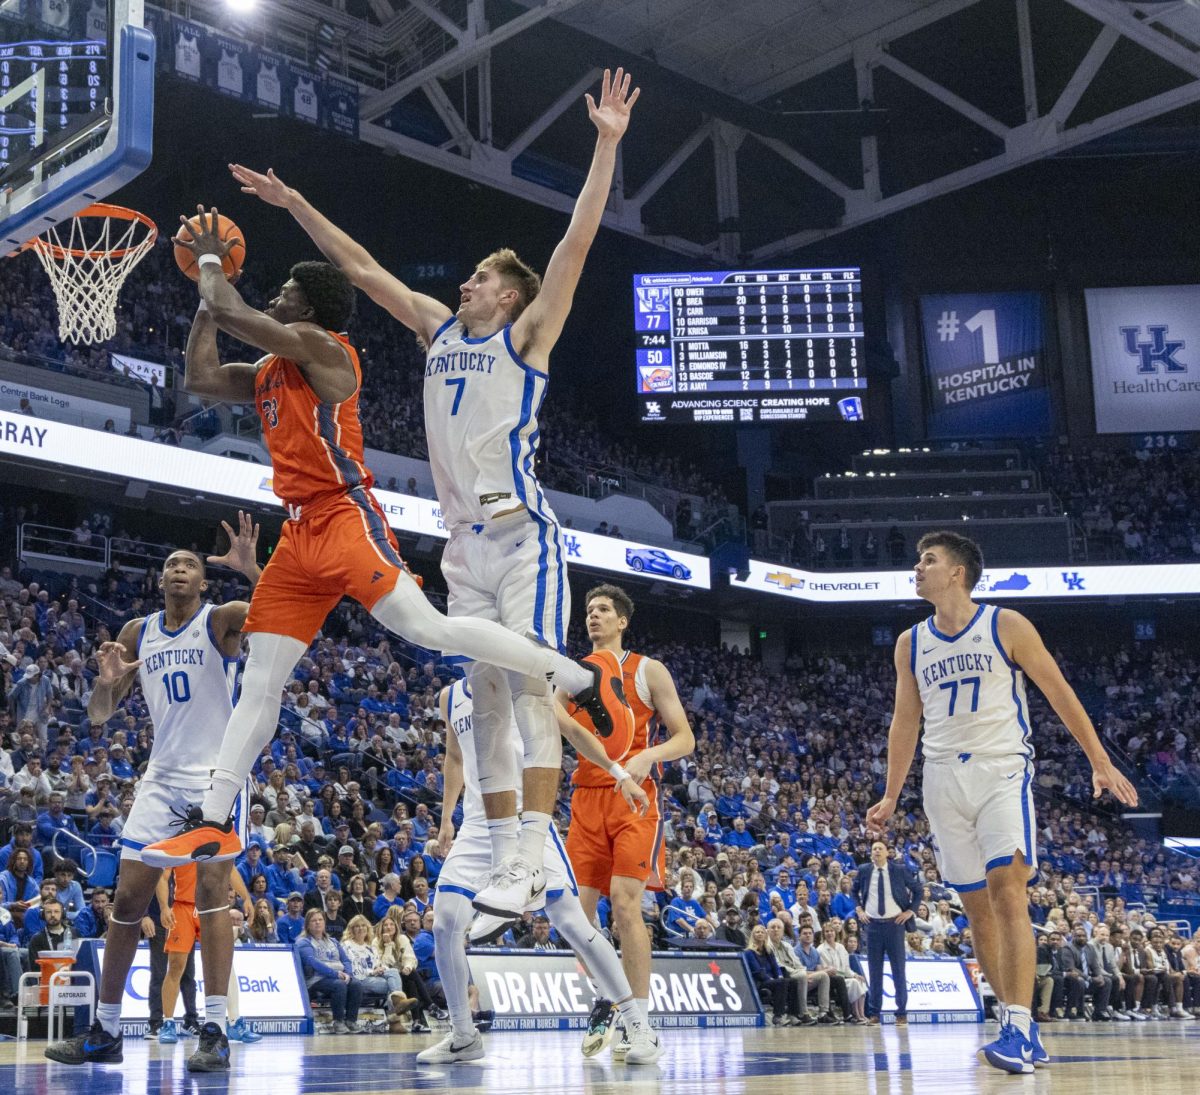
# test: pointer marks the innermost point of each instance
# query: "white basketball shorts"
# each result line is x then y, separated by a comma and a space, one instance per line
512, 570
980, 813
158, 808
470, 862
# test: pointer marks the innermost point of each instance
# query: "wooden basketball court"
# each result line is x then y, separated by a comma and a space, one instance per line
1089, 1059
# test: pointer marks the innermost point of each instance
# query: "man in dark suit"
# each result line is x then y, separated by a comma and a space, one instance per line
1093, 980
1066, 962
887, 897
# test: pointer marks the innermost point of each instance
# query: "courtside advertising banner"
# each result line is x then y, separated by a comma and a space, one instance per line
1145, 358
272, 996
214, 476
985, 365
549, 990
1002, 583
940, 990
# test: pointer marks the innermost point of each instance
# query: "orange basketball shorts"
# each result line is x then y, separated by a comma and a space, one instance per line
606, 838
340, 546
182, 938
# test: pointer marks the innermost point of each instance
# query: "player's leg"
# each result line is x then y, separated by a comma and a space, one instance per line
176, 960
452, 913
103, 1042
495, 759
985, 940
216, 955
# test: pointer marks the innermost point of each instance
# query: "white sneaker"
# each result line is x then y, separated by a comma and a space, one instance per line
621, 1046
645, 1047
1121, 1016
486, 928
516, 887
448, 1051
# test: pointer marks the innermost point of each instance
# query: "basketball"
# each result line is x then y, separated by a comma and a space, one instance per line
226, 229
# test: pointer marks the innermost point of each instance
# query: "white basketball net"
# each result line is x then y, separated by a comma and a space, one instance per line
87, 272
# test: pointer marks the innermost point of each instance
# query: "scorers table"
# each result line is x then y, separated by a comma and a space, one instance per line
750, 345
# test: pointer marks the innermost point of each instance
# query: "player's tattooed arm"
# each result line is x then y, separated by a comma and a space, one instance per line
117, 663
418, 312
242, 556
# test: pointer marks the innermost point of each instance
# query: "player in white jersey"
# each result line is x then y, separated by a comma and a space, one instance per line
185, 658
485, 379
963, 670
470, 859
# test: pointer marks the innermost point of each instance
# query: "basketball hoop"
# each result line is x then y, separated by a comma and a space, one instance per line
104, 244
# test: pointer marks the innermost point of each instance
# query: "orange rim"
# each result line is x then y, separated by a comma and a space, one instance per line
97, 209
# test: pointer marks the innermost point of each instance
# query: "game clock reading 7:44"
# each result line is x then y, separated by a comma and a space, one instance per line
749, 345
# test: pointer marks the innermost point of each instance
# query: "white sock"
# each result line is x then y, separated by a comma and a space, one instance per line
216, 1009
643, 1003
568, 675
503, 832
631, 1015
109, 1017
1020, 1017
535, 829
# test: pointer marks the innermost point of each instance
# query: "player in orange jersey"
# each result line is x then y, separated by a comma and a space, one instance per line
181, 922
613, 850
336, 541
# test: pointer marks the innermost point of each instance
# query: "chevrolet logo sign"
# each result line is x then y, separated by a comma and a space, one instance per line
785, 580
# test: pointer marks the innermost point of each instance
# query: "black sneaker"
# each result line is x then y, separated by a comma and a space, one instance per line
212, 1054
440, 1014
190, 1027
96, 1045
826, 1019
420, 1027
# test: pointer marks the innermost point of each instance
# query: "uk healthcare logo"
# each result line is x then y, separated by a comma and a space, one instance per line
1158, 351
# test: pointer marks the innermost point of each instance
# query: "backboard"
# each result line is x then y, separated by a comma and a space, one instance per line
76, 108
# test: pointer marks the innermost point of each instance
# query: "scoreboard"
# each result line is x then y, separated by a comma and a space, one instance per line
54, 77
750, 345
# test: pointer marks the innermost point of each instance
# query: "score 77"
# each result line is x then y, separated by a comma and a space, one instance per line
459, 382
974, 682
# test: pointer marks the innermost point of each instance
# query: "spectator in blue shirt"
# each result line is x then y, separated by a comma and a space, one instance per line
730, 804
52, 819
329, 972
22, 837
422, 944
389, 886
92, 923
290, 926
737, 836
70, 893
104, 834
10, 958
250, 866
33, 923
119, 762
282, 878
684, 910
783, 886
844, 905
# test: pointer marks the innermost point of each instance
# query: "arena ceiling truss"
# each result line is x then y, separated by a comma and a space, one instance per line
766, 125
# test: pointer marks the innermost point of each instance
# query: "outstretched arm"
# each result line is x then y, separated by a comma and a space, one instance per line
242, 556
418, 312
538, 327
116, 673
902, 735
1029, 652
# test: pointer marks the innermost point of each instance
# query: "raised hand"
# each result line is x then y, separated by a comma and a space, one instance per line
611, 115
242, 555
202, 238
110, 659
270, 187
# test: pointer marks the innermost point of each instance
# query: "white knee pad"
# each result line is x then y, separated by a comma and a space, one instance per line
492, 728
533, 706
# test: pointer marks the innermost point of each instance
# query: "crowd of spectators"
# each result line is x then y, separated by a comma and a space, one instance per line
1142, 505
764, 824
